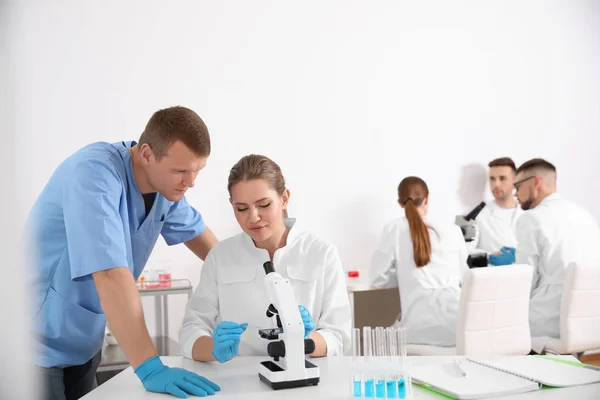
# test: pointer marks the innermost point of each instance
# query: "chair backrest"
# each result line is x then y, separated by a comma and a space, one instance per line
376, 307
493, 316
580, 308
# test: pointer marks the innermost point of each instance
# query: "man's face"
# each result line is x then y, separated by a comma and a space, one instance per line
501, 182
525, 190
175, 172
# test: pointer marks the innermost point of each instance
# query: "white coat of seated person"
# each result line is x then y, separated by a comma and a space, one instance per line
429, 293
552, 233
232, 284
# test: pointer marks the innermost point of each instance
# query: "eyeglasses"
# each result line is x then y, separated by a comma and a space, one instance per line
520, 182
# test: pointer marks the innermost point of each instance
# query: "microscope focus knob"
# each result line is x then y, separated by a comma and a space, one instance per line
276, 349
309, 346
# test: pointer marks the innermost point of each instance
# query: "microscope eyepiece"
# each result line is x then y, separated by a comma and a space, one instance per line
475, 212
268, 267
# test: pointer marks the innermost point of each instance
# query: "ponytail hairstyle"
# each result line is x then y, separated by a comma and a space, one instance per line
412, 192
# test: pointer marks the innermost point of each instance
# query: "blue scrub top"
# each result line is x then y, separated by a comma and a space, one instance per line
91, 217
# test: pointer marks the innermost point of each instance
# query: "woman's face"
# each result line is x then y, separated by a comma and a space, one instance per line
258, 208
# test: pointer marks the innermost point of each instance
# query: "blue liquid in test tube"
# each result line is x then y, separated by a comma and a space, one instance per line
357, 389
380, 350
401, 389
369, 388
392, 352
380, 389
391, 389
368, 354
357, 377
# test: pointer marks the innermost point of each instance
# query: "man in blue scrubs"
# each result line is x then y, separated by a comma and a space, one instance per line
94, 226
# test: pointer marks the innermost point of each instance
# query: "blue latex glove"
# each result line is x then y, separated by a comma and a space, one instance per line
157, 377
227, 340
511, 250
309, 324
506, 258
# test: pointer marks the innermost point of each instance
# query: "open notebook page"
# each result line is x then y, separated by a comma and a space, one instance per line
547, 372
480, 382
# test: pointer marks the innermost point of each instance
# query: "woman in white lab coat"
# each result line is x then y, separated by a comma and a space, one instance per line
229, 306
425, 259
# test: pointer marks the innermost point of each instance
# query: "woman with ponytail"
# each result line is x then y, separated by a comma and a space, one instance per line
425, 260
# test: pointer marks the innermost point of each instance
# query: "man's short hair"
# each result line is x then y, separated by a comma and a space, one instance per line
503, 162
174, 124
536, 164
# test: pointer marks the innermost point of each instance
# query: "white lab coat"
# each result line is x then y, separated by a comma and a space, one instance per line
232, 289
551, 236
497, 227
429, 296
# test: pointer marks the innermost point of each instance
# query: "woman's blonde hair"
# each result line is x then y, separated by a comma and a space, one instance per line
255, 166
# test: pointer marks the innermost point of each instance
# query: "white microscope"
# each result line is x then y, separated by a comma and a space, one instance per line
467, 223
289, 367
468, 226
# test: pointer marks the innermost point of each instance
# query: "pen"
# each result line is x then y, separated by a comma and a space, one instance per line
460, 367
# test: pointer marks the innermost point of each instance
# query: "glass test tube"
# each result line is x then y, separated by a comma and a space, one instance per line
368, 354
404, 384
394, 361
380, 352
356, 376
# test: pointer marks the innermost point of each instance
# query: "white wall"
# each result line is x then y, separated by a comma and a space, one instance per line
15, 343
348, 97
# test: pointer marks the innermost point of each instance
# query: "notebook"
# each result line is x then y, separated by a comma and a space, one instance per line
570, 362
500, 376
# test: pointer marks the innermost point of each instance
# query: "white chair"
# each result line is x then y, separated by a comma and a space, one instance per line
493, 314
579, 312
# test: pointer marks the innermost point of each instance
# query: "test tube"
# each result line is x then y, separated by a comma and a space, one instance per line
368, 354
404, 384
394, 360
356, 376
380, 345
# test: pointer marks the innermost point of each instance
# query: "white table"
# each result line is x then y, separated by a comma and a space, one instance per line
238, 379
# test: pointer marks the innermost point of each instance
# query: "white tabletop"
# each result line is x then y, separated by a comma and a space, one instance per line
357, 284
238, 379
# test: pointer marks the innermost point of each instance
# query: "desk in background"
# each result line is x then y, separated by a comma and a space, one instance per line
238, 379
372, 307
161, 300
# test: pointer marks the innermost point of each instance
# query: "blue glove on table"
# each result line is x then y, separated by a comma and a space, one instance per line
506, 258
227, 340
157, 377
309, 324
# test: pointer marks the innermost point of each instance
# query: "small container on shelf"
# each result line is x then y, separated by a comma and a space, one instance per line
353, 274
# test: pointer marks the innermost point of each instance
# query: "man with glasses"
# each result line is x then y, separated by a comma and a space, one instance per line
552, 234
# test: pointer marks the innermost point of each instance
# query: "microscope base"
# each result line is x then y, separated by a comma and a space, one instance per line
272, 374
